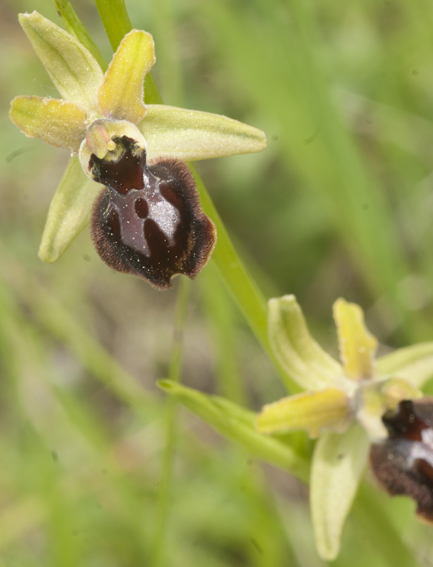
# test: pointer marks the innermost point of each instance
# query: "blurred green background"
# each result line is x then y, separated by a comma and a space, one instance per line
340, 204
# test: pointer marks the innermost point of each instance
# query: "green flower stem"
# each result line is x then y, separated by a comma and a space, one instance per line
233, 272
243, 288
151, 92
115, 18
163, 504
222, 319
229, 265
76, 28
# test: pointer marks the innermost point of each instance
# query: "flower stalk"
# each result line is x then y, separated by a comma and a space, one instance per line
70, 211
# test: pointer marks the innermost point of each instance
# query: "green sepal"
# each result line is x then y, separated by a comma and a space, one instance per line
297, 352
237, 424
192, 135
69, 212
337, 467
56, 122
414, 364
327, 410
73, 70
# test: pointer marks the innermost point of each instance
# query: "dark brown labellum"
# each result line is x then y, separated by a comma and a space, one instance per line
148, 220
403, 464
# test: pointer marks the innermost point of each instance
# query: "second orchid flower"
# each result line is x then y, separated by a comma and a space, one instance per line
351, 407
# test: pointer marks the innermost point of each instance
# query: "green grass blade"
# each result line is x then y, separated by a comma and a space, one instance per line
165, 485
76, 28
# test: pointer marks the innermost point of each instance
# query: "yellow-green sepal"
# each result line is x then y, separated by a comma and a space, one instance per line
357, 345
72, 68
297, 352
192, 135
69, 212
315, 412
337, 467
121, 94
237, 423
414, 364
56, 122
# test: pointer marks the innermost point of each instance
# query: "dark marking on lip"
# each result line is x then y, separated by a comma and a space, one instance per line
403, 463
148, 221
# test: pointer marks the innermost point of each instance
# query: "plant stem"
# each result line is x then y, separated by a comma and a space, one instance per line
239, 282
115, 18
163, 504
76, 28
222, 319
242, 287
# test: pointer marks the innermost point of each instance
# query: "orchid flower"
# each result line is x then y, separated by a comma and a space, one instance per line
148, 220
351, 406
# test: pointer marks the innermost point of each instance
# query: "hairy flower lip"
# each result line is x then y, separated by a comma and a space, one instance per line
403, 463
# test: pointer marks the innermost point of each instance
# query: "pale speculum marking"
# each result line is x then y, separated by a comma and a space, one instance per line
138, 205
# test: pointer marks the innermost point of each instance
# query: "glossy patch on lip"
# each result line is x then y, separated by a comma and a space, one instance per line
403, 463
148, 220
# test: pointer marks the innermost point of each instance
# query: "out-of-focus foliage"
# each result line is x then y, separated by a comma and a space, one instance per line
340, 204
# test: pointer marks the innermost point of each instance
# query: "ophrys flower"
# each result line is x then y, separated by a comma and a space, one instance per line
348, 406
120, 142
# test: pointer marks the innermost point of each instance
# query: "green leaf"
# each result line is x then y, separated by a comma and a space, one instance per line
237, 424
192, 135
56, 122
414, 364
69, 211
121, 94
338, 464
73, 70
297, 352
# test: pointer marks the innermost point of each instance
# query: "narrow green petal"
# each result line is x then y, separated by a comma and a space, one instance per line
121, 94
313, 411
69, 211
192, 135
414, 364
73, 70
337, 467
237, 424
55, 122
297, 352
357, 345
